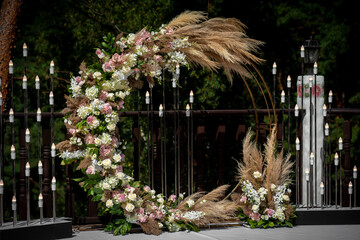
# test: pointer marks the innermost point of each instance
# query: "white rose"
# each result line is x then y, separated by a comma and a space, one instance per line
132, 196
120, 175
129, 207
117, 158
273, 186
109, 203
106, 163
286, 197
106, 186
111, 127
76, 89
97, 75
160, 200
255, 208
257, 174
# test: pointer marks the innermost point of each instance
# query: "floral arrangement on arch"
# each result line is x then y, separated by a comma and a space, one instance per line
97, 95
264, 181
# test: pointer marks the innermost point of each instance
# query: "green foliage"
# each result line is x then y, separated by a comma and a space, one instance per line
118, 226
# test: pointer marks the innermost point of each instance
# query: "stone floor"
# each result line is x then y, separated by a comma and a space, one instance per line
313, 232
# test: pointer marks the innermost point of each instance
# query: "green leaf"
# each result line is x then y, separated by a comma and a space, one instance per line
289, 224
271, 224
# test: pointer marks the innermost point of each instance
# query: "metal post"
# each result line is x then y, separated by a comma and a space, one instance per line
175, 139
188, 148
315, 159
147, 101
274, 82
330, 100
336, 187
139, 136
151, 133
161, 115
340, 172
288, 130
192, 142
164, 137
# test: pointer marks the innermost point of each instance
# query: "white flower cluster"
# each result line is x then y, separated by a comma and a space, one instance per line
193, 215
73, 155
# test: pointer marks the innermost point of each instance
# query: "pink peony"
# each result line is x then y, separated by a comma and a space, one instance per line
116, 58
143, 218
91, 119
99, 53
105, 150
89, 139
269, 211
90, 170
147, 189
159, 214
121, 197
255, 216
243, 199
103, 95
172, 198
106, 109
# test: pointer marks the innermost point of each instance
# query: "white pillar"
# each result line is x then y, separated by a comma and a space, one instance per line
306, 133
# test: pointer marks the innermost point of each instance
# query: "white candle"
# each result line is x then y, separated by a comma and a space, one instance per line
147, 97
11, 115
282, 96
38, 115
52, 67
1, 187
37, 82
297, 144
53, 184
315, 68
13, 203
355, 172
150, 85
25, 51
326, 129
13, 154
288, 82
322, 188
350, 188
191, 99
51, 98
27, 135
53, 150
177, 71
324, 110
340, 144
161, 110
11, 67
307, 175
24, 83
330, 97
296, 110
40, 168
173, 82
312, 158
336, 159
0, 98
274, 69
187, 110
41, 202
310, 82
27, 169
302, 51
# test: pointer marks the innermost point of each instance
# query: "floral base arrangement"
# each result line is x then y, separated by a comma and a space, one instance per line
97, 94
264, 180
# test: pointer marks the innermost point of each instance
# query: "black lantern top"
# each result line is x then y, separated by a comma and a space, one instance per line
312, 51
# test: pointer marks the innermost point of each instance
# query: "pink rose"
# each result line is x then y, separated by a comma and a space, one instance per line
157, 58
78, 79
107, 67
172, 198
99, 53
119, 168
147, 189
177, 216
115, 142
151, 216
90, 170
154, 207
141, 211
72, 130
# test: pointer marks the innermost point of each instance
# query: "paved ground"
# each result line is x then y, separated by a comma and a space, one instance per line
318, 232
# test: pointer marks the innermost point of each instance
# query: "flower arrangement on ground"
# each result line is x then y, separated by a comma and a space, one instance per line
264, 181
97, 94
